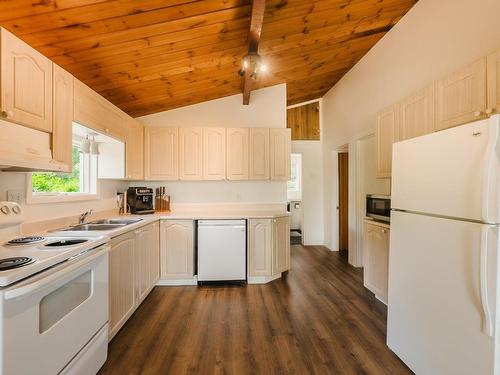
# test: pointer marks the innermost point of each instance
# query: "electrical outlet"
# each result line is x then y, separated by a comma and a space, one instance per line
15, 196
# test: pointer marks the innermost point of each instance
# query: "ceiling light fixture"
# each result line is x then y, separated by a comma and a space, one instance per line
253, 63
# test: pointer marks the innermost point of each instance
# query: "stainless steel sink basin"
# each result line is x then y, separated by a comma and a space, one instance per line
116, 221
89, 227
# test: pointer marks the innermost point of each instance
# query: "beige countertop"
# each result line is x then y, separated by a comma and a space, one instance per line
54, 226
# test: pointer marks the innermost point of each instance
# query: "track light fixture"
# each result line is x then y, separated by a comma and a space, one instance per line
254, 62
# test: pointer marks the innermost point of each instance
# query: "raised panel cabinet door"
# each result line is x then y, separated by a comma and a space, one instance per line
155, 254
376, 260
191, 154
260, 247
461, 96
259, 154
26, 84
237, 153
281, 245
493, 83
417, 114
95, 112
121, 281
279, 149
134, 151
62, 126
214, 153
161, 149
177, 249
386, 133
142, 262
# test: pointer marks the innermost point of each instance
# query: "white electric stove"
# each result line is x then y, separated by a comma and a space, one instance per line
53, 300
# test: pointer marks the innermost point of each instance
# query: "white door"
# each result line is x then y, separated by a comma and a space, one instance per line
450, 173
438, 320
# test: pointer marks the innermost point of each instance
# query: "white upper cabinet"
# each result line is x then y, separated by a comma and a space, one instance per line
191, 154
417, 115
63, 118
26, 84
280, 148
259, 154
214, 153
493, 72
461, 96
386, 133
161, 148
237, 153
95, 112
134, 151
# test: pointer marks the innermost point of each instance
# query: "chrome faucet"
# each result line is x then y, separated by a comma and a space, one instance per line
82, 217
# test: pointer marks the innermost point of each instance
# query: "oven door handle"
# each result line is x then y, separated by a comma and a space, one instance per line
31, 288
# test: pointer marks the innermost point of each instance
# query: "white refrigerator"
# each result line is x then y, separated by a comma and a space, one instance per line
443, 303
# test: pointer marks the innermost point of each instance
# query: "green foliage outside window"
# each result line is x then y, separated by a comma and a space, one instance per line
59, 182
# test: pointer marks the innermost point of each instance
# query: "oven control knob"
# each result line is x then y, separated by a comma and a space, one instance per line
5, 210
16, 209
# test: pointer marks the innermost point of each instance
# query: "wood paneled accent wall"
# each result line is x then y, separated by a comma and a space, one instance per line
153, 55
304, 122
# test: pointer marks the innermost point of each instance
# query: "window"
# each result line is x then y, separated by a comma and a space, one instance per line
80, 184
294, 185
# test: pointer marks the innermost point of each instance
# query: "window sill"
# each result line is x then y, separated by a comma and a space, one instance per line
59, 198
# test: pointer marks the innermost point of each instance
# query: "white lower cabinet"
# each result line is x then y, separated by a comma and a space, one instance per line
177, 249
121, 281
268, 248
134, 263
376, 259
147, 259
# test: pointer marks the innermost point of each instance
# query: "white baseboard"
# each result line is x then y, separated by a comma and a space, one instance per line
178, 282
262, 279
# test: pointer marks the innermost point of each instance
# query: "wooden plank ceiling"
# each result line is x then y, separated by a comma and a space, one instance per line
147, 56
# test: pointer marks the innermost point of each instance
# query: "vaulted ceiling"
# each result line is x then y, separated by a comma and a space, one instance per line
147, 56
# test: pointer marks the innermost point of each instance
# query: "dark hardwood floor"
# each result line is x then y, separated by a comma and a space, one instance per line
319, 319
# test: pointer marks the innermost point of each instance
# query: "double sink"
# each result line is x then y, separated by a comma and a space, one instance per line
105, 224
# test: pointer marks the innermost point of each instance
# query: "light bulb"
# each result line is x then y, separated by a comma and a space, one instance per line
263, 67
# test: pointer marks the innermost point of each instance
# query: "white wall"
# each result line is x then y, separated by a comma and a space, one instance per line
17, 181
312, 190
434, 38
267, 108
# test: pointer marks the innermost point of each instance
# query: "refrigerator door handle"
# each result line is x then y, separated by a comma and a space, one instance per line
487, 169
483, 282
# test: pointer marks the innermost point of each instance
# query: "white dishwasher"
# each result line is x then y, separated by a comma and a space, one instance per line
222, 250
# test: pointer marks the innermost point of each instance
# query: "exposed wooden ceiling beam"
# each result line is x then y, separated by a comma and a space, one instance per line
256, 20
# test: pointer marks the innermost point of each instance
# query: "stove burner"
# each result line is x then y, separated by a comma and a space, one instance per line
25, 240
65, 243
9, 263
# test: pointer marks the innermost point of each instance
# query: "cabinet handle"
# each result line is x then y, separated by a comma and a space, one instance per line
384, 231
478, 113
489, 111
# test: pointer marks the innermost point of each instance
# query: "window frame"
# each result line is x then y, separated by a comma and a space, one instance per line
87, 176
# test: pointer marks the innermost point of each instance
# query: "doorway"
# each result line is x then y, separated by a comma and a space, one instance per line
343, 170
294, 197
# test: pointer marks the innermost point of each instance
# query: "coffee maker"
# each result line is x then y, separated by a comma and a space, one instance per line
140, 200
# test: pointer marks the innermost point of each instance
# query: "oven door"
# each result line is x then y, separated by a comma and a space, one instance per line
47, 319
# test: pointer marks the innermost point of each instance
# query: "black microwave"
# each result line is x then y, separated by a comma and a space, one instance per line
378, 207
